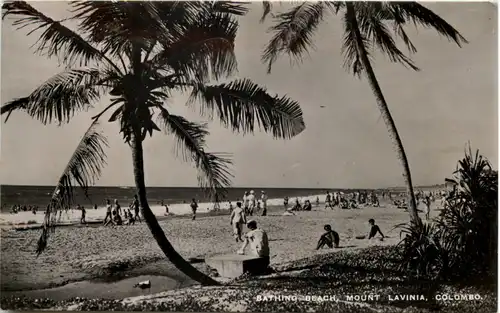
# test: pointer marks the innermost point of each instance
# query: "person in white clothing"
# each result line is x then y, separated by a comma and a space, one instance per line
259, 243
263, 199
245, 202
251, 202
237, 219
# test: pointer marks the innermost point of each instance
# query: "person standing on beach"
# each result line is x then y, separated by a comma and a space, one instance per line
216, 202
285, 203
82, 220
194, 207
263, 199
135, 206
245, 202
328, 200
237, 220
108, 212
251, 202
118, 208
427, 203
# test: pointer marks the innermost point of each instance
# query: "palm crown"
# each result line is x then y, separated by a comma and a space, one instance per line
140, 53
379, 23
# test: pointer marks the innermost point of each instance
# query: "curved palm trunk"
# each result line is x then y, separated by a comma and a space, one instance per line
152, 222
384, 109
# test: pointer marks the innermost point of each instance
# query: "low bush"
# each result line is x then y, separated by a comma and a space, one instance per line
462, 241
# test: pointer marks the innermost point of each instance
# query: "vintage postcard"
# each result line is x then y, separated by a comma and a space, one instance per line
263, 156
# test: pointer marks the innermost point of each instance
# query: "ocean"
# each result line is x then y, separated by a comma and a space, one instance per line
40, 195
177, 199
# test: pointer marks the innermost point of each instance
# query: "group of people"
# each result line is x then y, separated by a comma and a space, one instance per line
352, 200
331, 238
252, 204
114, 213
16, 208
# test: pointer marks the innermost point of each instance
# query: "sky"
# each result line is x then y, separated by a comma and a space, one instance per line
451, 101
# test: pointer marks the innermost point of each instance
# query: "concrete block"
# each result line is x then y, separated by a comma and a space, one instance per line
234, 265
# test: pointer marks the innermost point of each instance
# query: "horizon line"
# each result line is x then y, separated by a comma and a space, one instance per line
239, 187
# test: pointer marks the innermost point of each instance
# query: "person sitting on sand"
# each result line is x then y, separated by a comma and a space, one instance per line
330, 238
108, 212
374, 229
194, 207
259, 243
307, 206
237, 219
136, 207
297, 206
129, 217
117, 219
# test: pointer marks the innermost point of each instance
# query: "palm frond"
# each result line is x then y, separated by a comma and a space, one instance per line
203, 50
83, 168
267, 8
14, 105
371, 20
114, 25
214, 174
420, 15
55, 39
227, 7
61, 96
293, 32
242, 104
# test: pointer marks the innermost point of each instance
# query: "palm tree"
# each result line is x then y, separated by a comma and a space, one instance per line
139, 53
367, 26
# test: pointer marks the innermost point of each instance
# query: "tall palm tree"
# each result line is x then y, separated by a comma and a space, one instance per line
367, 26
139, 53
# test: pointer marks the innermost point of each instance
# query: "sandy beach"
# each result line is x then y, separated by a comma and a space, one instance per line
83, 253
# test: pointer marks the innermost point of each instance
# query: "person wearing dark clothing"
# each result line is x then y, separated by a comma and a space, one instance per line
194, 207
136, 207
330, 238
374, 229
307, 206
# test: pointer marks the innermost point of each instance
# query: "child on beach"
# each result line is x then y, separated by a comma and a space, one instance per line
194, 207
237, 219
330, 238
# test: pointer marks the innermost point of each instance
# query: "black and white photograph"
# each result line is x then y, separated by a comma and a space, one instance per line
260, 156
